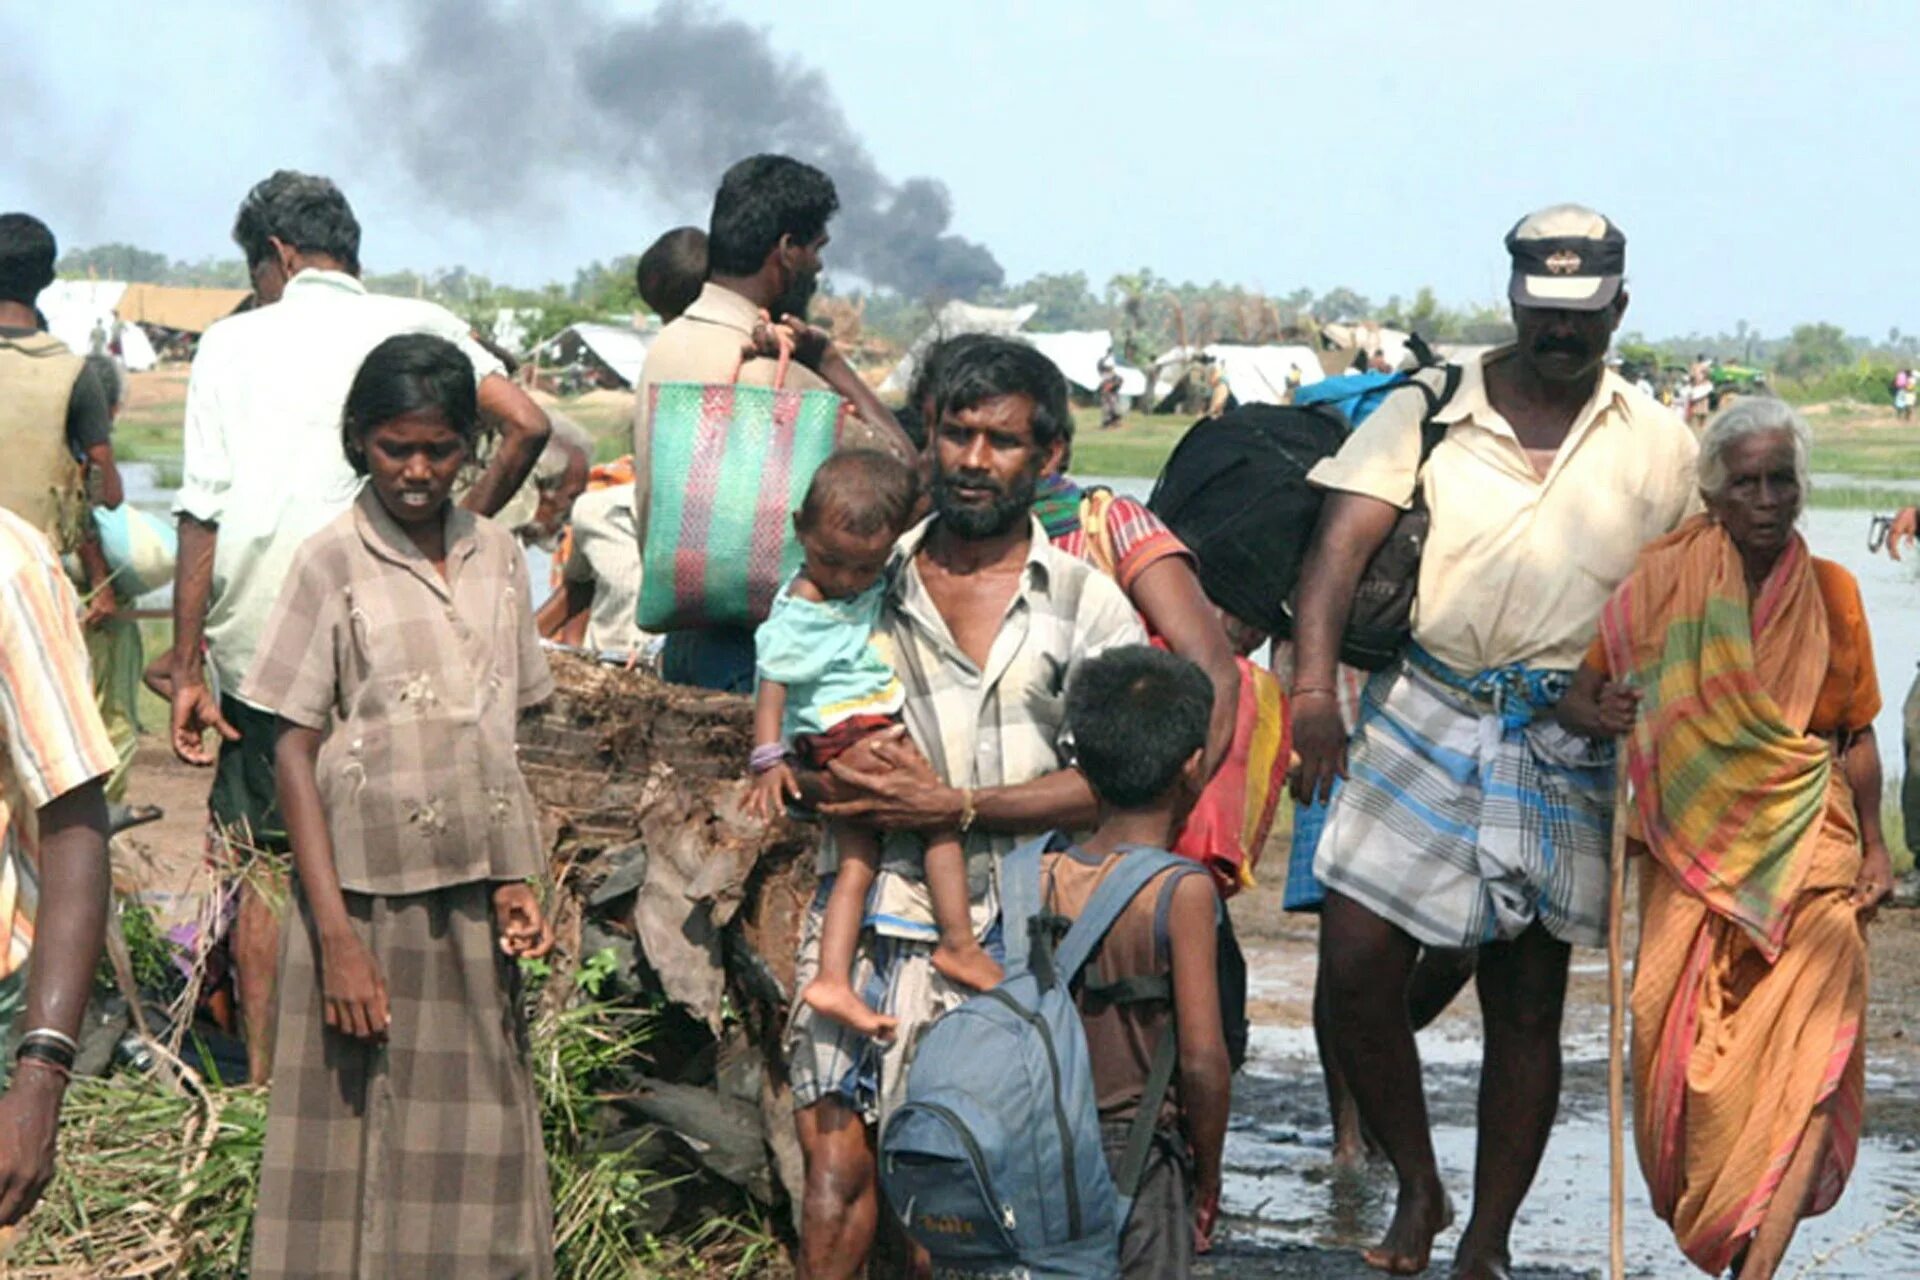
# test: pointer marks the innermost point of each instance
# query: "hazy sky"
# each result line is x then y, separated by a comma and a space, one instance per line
1761, 157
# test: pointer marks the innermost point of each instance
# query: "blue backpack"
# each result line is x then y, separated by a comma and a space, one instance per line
994, 1161
1354, 395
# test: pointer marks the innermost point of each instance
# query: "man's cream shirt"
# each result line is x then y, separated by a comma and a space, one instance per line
1518, 566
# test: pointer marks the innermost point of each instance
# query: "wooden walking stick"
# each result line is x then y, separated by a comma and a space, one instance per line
1617, 1032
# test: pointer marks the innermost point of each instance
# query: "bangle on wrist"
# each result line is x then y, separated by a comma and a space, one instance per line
767, 757
1323, 690
967, 811
51, 1035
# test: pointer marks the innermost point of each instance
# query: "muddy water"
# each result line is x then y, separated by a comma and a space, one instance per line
1288, 1216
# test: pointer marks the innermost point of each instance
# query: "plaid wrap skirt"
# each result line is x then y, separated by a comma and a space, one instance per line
1461, 829
421, 1156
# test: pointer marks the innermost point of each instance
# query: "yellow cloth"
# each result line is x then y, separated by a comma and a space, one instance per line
1516, 567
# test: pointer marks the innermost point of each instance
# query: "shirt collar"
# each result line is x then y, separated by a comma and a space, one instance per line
384, 537
314, 280
1038, 575
720, 305
1469, 400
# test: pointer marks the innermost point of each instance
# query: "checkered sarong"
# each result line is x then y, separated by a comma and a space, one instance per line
421, 1157
1461, 828
827, 1059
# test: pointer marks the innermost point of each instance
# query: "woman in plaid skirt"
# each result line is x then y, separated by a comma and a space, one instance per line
403, 1135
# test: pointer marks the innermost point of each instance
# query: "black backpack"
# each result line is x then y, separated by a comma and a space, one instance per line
1235, 491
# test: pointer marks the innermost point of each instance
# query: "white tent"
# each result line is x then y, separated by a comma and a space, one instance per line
510, 325
956, 318
1370, 337
621, 348
1255, 375
75, 308
1078, 354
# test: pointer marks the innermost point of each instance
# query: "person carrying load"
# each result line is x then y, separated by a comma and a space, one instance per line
717, 487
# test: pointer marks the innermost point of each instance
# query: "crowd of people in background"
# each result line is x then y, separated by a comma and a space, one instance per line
1004, 693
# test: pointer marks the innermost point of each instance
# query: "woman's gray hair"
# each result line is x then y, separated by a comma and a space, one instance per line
1753, 416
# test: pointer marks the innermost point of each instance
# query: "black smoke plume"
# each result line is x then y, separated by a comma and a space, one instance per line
484, 102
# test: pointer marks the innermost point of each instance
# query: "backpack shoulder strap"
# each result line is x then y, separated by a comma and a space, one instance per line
1431, 431
1020, 899
1135, 869
1166, 1056
1133, 1162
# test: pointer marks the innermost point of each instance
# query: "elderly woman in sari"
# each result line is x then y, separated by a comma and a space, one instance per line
1740, 670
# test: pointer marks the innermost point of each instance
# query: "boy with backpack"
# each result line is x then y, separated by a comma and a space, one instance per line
1101, 1061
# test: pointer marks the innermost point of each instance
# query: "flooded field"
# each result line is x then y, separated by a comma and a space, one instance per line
1287, 1215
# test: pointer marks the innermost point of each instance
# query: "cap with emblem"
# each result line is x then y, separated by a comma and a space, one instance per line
1568, 258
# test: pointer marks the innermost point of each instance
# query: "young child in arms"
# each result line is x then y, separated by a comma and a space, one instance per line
824, 684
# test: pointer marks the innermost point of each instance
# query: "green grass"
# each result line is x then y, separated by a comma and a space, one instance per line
1137, 448
152, 433
1873, 448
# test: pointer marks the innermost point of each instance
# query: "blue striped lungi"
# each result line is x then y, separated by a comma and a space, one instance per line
1468, 813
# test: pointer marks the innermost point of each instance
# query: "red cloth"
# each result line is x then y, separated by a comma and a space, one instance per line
1230, 823
818, 750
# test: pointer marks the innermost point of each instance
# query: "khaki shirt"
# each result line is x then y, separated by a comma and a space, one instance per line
704, 345
1516, 566
416, 682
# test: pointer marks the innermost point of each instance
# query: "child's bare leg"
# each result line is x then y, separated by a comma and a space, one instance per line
831, 992
959, 956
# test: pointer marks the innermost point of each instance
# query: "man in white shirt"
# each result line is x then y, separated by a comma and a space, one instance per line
264, 469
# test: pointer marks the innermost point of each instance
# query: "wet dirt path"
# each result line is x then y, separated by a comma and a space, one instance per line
1285, 1216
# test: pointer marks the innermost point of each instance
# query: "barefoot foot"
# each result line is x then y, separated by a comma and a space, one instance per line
1493, 1265
969, 966
1418, 1216
836, 1000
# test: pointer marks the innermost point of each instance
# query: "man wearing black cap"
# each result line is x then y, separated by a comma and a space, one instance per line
1467, 817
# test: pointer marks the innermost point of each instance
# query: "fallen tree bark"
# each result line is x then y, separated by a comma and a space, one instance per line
689, 903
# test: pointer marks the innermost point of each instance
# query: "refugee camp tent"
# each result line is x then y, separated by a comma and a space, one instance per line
512, 328
75, 309
176, 307
1367, 336
615, 351
1255, 375
955, 318
1078, 353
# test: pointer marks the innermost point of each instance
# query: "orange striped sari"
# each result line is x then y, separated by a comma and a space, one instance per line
1749, 992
